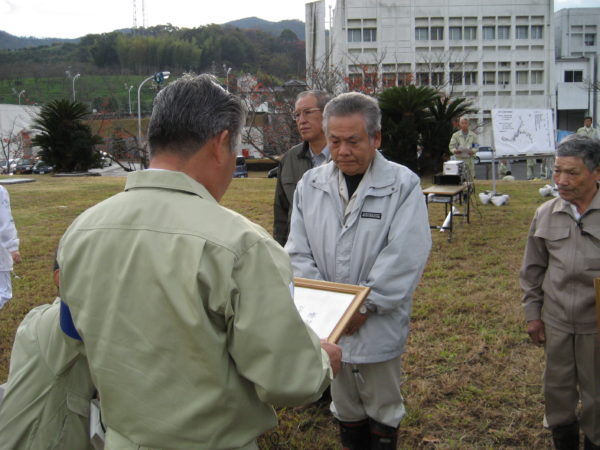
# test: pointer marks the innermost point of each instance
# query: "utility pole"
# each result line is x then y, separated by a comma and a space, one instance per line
134, 15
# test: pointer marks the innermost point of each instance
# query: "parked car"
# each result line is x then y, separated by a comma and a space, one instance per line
273, 172
241, 168
24, 166
6, 167
41, 167
484, 154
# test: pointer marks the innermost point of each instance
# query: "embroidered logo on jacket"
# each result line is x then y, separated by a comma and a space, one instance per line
370, 215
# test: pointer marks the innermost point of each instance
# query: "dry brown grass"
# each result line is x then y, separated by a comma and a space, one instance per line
472, 380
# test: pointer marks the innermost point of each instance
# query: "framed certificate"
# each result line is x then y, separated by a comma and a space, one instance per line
327, 307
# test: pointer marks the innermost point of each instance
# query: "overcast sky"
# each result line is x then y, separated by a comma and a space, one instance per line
76, 18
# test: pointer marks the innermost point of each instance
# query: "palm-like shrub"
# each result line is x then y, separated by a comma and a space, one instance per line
405, 111
67, 142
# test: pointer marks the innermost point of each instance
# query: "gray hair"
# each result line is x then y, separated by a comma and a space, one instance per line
586, 148
352, 103
190, 112
322, 97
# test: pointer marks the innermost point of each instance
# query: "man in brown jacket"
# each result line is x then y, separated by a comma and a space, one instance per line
308, 114
561, 260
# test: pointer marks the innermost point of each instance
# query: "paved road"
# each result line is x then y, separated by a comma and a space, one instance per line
483, 171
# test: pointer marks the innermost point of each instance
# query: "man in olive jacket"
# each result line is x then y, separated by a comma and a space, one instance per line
185, 307
313, 152
49, 388
557, 277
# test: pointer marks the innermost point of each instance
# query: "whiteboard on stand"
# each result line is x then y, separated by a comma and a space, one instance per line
523, 132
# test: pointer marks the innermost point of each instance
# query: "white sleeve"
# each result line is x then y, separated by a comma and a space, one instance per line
8, 232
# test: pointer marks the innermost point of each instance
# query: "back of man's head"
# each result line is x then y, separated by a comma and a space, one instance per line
352, 103
189, 112
586, 148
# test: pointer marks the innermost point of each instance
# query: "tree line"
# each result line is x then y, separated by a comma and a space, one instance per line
203, 49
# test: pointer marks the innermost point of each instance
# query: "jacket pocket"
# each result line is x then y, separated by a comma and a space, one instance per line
552, 234
78, 404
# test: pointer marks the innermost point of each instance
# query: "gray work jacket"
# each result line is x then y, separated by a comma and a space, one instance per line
561, 260
383, 243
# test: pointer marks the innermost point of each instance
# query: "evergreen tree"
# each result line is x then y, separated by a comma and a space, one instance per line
67, 142
404, 111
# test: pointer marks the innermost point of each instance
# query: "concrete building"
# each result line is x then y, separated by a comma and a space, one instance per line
498, 53
16, 130
577, 66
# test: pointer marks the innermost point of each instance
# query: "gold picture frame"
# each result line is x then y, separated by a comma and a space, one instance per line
326, 306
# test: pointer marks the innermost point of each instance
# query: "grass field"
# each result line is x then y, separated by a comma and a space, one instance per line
93, 90
472, 379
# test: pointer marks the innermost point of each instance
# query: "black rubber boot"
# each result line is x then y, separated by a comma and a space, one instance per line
383, 437
589, 445
355, 435
566, 437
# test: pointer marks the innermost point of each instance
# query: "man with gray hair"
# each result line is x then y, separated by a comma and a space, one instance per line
184, 307
361, 219
464, 145
557, 277
312, 152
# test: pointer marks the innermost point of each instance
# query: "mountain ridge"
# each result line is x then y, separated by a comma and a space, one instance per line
12, 42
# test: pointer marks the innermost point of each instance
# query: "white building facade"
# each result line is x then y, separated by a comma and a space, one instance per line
577, 66
497, 53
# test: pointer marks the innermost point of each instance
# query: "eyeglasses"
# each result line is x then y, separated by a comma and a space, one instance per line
305, 112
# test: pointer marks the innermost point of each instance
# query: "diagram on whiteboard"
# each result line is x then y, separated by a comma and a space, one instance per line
523, 132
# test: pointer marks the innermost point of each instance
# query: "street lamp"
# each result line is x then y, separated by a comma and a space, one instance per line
19, 95
129, 95
159, 77
74, 78
227, 79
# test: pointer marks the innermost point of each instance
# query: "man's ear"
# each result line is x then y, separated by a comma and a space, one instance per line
221, 142
377, 139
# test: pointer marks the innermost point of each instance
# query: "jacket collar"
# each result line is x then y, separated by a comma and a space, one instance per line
305, 153
166, 179
565, 206
380, 175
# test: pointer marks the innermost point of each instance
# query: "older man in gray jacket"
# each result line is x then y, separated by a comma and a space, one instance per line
560, 264
361, 219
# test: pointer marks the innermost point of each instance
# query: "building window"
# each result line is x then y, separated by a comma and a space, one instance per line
589, 39
423, 78
537, 32
522, 77
437, 33
370, 34
437, 78
455, 33
489, 33
503, 32
389, 80
422, 34
470, 33
456, 78
522, 32
470, 78
504, 78
489, 78
537, 77
573, 76
354, 35
404, 78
